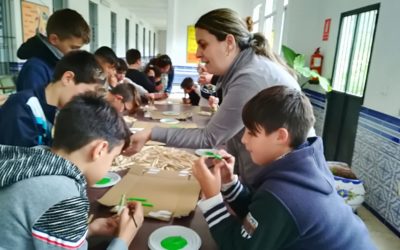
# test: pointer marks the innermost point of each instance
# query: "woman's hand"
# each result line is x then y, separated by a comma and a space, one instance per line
131, 219
213, 102
137, 142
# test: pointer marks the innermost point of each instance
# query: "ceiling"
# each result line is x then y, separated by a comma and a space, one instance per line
153, 12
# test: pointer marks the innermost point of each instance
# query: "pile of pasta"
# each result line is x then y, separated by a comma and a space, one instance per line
156, 157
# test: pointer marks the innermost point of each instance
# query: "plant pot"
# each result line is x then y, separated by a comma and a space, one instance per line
348, 186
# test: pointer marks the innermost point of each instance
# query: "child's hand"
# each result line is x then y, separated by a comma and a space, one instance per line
210, 181
131, 219
226, 165
104, 226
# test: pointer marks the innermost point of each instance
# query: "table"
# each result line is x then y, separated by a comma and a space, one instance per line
194, 221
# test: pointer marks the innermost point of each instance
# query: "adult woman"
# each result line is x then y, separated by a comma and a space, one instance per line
245, 65
165, 64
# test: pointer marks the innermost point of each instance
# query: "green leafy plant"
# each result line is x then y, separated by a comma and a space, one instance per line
297, 62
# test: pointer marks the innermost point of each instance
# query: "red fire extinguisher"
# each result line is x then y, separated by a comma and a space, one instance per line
316, 62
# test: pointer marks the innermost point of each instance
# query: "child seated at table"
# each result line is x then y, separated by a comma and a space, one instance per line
43, 190
192, 90
294, 204
124, 98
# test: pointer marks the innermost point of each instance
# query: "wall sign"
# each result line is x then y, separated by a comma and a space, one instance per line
34, 19
327, 27
191, 45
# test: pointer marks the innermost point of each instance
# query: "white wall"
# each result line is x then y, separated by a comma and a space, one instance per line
303, 32
162, 41
182, 13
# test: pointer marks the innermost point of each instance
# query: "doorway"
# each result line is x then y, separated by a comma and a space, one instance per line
350, 74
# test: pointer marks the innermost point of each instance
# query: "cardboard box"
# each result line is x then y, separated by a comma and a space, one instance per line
166, 190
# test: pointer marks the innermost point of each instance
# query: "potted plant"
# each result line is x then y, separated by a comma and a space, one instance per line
297, 62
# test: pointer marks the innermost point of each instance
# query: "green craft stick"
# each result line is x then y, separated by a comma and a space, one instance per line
144, 204
136, 199
213, 155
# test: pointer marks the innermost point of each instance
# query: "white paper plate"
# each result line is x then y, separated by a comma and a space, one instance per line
134, 130
171, 113
192, 238
114, 178
169, 121
202, 151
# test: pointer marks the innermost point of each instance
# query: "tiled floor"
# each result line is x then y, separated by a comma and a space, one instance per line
381, 235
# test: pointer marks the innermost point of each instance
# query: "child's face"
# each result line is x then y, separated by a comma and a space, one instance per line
187, 90
68, 44
102, 164
263, 148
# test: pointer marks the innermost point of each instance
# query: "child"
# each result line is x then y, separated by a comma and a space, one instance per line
192, 90
134, 59
43, 191
294, 204
44, 52
122, 68
124, 98
27, 117
108, 60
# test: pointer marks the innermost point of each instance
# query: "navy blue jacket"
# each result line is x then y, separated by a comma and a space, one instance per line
38, 69
26, 119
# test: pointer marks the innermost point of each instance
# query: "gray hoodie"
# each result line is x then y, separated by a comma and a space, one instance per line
43, 201
248, 75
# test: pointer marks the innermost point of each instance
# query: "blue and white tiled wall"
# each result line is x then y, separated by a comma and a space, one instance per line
318, 102
376, 161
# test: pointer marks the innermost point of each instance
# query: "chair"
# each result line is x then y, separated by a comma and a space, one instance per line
7, 84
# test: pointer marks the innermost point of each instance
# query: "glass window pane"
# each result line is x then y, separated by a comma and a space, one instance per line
256, 13
269, 30
269, 7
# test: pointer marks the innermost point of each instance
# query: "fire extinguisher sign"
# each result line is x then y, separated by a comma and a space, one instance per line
327, 27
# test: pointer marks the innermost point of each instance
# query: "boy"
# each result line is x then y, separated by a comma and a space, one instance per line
66, 30
43, 191
134, 59
108, 60
122, 68
124, 98
27, 117
192, 90
295, 204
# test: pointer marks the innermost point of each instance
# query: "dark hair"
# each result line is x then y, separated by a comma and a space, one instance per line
280, 107
222, 22
85, 118
84, 66
107, 54
155, 68
121, 66
132, 56
187, 83
128, 93
162, 61
67, 23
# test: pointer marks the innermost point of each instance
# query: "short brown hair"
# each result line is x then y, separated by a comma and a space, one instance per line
280, 107
67, 23
129, 94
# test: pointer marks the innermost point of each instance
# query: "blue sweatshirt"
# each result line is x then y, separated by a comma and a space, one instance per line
294, 206
42, 59
26, 119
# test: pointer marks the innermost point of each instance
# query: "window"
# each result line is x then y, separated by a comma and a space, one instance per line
137, 36
126, 34
144, 42
256, 18
269, 29
59, 4
114, 31
356, 36
150, 54
154, 43
7, 38
93, 21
